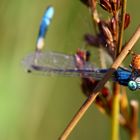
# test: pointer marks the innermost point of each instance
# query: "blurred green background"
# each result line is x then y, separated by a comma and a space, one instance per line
34, 107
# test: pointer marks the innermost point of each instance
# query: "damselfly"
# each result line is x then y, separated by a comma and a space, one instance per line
53, 63
72, 65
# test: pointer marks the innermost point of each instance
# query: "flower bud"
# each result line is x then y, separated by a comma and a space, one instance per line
105, 4
127, 20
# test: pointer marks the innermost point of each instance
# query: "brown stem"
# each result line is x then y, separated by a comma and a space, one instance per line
100, 85
121, 29
94, 12
124, 104
134, 120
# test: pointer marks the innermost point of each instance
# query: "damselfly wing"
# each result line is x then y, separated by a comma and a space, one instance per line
53, 63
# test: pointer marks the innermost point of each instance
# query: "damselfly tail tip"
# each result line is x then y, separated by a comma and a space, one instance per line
49, 11
40, 44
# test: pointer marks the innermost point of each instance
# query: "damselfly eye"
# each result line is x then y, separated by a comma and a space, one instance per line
132, 85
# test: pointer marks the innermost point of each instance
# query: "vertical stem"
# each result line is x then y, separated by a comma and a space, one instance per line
121, 30
116, 97
124, 103
134, 120
115, 112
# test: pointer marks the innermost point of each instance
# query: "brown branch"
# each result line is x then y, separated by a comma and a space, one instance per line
100, 85
121, 30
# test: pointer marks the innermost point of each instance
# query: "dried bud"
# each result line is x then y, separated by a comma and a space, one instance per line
113, 26
83, 55
105, 4
88, 85
106, 31
106, 37
115, 5
119, 4
127, 20
88, 54
103, 101
91, 40
105, 92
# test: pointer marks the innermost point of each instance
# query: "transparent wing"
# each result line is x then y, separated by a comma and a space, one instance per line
52, 63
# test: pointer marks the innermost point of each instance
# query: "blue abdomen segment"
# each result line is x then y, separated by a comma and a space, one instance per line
46, 20
123, 76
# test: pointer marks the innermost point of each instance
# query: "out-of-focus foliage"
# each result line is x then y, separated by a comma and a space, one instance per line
34, 107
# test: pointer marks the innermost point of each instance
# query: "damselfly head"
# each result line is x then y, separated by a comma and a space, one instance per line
132, 85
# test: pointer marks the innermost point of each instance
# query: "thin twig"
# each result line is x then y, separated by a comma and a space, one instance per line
100, 85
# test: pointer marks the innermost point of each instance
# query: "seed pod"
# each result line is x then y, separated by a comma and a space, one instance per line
106, 37
106, 32
115, 5
105, 4
119, 4
105, 92
127, 20
113, 26
88, 85
91, 40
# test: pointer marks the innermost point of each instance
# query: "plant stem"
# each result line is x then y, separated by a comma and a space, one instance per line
95, 22
100, 85
117, 87
134, 120
115, 112
124, 104
121, 30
